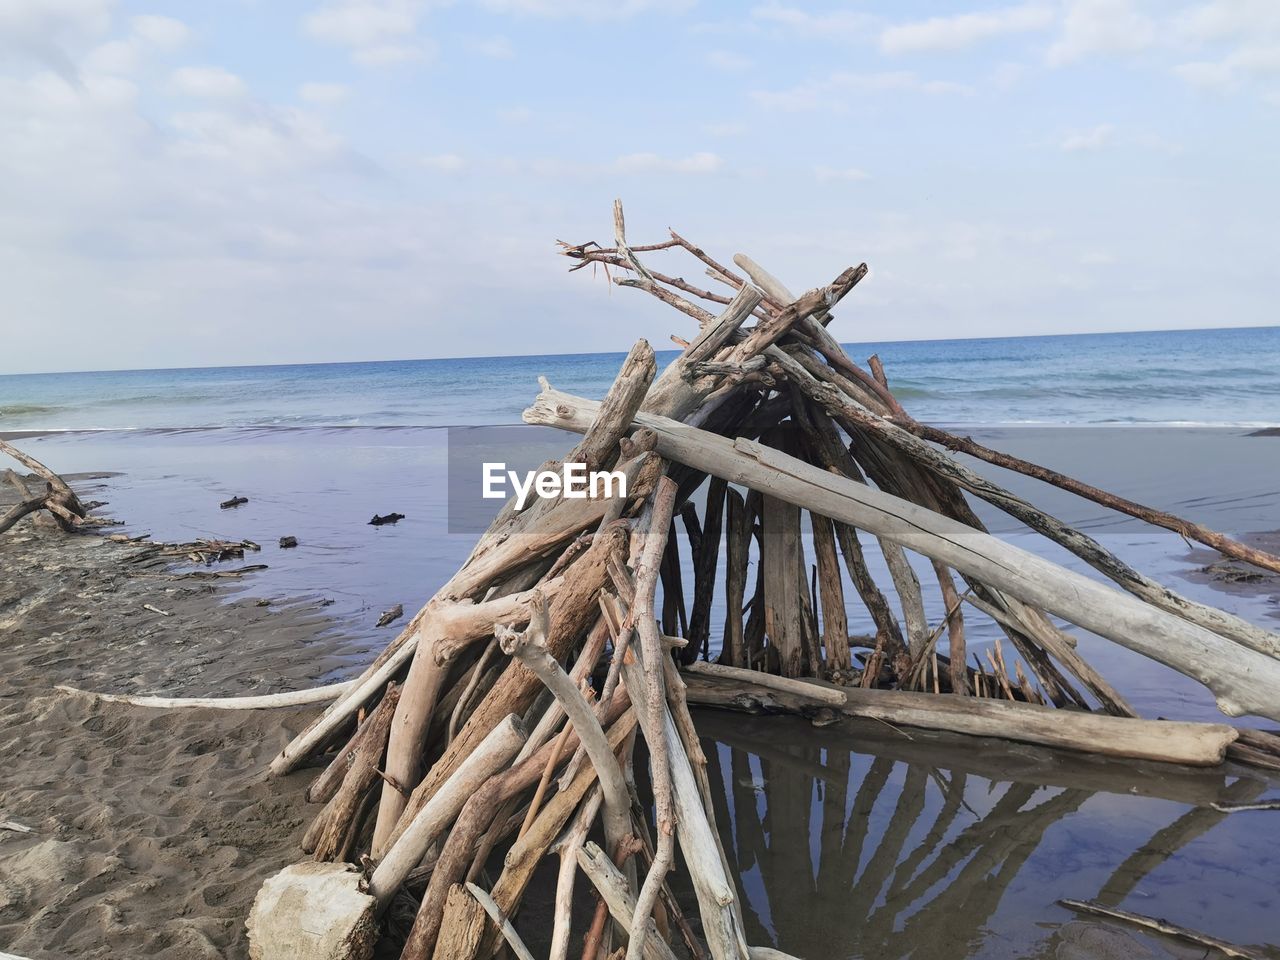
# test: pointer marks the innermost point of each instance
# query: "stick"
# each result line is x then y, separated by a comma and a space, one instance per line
262, 702
816, 692
1164, 926
491, 756
663, 504
508, 931
613, 890
530, 649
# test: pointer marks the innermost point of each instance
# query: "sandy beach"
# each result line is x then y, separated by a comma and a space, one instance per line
149, 831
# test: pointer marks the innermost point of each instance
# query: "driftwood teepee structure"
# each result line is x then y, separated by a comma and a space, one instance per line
503, 718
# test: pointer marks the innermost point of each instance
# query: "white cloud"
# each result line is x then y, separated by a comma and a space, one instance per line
1092, 139
444, 162
1100, 27
839, 89
836, 24
697, 163
729, 61
259, 141
148, 35
164, 33
324, 94
377, 32
587, 9
964, 30
213, 83
847, 174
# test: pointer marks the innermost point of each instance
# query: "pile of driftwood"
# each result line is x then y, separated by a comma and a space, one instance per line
501, 723
57, 504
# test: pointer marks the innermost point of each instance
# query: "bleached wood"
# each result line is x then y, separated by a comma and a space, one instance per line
493, 754
811, 691
293, 698
1242, 680
612, 886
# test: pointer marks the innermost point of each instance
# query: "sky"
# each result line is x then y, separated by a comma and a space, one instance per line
267, 181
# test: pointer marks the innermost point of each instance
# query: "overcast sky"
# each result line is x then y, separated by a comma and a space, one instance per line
265, 182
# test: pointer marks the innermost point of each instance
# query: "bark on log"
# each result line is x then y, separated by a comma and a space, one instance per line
835, 621
1242, 680
360, 778
1193, 744
492, 755
737, 556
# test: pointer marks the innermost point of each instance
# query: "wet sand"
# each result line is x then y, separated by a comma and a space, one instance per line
150, 830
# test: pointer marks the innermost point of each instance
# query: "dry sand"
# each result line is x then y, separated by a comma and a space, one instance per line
151, 830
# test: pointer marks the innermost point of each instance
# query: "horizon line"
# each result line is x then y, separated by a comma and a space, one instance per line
599, 353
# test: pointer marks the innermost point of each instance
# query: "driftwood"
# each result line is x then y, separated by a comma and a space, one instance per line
295, 698
1165, 927
61, 503
764, 412
1242, 680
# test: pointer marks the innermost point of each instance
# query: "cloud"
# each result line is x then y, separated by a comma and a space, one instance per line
697, 163
1093, 139
586, 9
847, 174
1100, 27
838, 89
376, 32
729, 61
147, 35
837, 24
964, 30
213, 83
163, 33
324, 94
44, 31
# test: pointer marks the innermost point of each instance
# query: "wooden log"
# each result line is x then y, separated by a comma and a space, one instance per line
503, 922
462, 925
492, 755
655, 698
59, 485
815, 692
1169, 929
612, 887
835, 621
446, 630
1242, 680
782, 560
20, 510
737, 556
717, 896
955, 630
599, 447
706, 561
361, 775
477, 813
265, 701
1193, 744
529, 850
566, 848
529, 647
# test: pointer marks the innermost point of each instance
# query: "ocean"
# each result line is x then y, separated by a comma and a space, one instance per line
1182, 377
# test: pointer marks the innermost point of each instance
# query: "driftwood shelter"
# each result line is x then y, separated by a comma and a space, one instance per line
503, 719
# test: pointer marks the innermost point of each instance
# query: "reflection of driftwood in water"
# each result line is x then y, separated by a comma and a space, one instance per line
982, 757
1169, 840
938, 891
